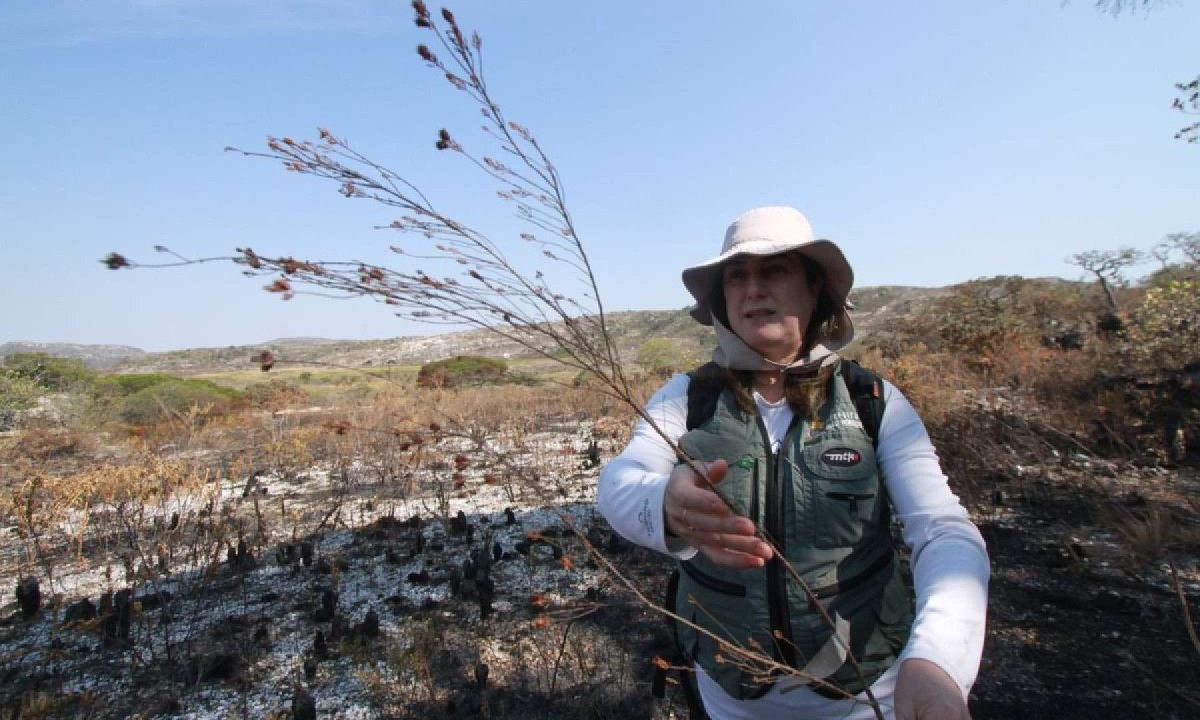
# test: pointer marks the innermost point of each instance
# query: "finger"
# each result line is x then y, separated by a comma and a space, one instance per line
745, 545
702, 524
731, 559
714, 472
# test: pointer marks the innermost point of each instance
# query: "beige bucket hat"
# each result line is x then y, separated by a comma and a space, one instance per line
771, 231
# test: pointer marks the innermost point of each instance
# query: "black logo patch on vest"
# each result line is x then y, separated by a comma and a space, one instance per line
841, 457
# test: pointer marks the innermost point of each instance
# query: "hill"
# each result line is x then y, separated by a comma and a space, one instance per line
877, 309
101, 357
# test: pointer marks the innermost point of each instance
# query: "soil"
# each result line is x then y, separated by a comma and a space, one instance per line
1089, 559
1080, 622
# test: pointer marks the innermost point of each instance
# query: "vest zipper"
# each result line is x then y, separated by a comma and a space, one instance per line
781, 621
851, 499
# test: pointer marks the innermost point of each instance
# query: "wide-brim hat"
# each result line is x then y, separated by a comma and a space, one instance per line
771, 231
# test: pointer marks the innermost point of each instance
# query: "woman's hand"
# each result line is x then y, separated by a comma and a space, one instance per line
699, 516
925, 692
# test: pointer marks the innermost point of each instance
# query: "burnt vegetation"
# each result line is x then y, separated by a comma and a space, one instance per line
392, 547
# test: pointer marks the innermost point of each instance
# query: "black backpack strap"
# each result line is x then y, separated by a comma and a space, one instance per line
677, 659
658, 687
704, 390
866, 389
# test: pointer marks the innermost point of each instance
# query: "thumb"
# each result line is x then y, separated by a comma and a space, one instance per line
715, 472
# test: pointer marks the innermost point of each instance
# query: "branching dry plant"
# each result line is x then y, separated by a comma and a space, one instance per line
524, 305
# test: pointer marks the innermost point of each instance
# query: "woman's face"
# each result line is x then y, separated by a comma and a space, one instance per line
769, 303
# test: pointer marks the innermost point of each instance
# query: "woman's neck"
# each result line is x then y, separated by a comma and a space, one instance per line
769, 384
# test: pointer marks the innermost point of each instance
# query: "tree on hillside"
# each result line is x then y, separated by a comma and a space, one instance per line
1108, 266
1173, 267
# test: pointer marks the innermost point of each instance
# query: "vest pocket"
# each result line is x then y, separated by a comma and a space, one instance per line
845, 491
721, 607
713, 583
895, 615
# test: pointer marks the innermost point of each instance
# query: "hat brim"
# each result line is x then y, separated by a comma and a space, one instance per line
702, 279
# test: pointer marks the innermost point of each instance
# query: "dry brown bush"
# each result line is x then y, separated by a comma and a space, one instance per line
45, 441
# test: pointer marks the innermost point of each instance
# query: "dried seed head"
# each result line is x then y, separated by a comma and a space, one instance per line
445, 142
422, 18
265, 360
427, 54
250, 258
115, 261
281, 285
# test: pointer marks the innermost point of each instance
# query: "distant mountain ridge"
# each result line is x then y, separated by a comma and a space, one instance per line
101, 357
876, 309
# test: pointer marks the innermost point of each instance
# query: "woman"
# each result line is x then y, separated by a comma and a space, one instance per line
780, 439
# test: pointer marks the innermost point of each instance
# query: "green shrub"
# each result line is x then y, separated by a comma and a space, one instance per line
52, 373
125, 385
275, 394
1165, 331
175, 396
462, 370
663, 357
16, 394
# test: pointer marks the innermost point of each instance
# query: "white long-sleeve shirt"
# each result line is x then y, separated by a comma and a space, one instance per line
949, 559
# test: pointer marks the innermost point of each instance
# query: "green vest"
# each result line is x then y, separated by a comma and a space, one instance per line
822, 502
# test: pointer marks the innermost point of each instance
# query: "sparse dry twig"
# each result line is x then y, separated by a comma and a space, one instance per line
1183, 603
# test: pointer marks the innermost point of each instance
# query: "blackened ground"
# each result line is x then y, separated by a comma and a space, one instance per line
1080, 626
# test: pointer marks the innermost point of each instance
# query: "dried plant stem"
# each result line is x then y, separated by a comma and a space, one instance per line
754, 660
488, 291
1183, 603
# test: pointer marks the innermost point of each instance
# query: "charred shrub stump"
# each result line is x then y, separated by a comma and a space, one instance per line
29, 596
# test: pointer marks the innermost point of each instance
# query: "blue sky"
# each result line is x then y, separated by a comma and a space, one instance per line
936, 142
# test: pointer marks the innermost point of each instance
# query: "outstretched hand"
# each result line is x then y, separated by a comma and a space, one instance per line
700, 517
925, 692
